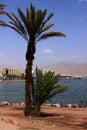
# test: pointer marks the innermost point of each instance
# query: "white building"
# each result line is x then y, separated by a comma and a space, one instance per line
12, 71
1, 75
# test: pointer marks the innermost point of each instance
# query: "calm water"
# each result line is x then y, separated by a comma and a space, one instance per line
14, 91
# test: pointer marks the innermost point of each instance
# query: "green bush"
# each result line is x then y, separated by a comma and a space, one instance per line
45, 86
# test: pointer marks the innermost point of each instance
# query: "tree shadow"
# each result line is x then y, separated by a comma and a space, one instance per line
18, 111
44, 114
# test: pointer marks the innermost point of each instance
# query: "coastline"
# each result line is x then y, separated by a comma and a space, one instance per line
16, 80
58, 105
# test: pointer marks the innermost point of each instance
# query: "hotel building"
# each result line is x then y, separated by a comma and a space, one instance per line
12, 71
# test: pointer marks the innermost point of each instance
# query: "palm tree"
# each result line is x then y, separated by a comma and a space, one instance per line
2, 11
32, 27
45, 87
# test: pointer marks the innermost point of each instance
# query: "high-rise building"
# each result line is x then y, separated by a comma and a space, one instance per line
12, 72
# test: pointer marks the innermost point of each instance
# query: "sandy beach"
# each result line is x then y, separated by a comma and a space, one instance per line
53, 118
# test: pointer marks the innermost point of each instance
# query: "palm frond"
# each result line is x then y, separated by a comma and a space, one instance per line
39, 18
46, 19
2, 23
32, 14
51, 34
57, 90
18, 31
2, 9
16, 25
44, 22
24, 20
45, 28
2, 6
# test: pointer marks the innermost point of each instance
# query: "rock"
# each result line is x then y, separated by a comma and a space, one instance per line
12, 103
69, 105
85, 106
58, 105
4, 103
63, 105
17, 104
22, 104
49, 104
75, 105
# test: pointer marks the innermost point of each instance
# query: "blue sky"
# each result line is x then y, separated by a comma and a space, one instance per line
70, 18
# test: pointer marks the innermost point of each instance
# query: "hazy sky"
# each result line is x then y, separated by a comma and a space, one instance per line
70, 18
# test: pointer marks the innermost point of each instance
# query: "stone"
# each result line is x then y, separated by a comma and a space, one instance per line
58, 105
75, 105
4, 103
69, 105
63, 105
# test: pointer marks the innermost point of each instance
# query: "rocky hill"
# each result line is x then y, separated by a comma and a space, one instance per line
69, 69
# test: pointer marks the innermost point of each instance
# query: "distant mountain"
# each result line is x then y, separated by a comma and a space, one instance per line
70, 69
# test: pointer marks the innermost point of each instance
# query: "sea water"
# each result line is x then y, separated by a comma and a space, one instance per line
77, 93
12, 91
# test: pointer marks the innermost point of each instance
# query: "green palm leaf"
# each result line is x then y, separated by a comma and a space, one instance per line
2, 9
2, 12
51, 34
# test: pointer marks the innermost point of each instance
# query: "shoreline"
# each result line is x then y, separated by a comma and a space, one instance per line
14, 80
57, 105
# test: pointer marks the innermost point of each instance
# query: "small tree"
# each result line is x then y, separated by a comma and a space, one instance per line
45, 87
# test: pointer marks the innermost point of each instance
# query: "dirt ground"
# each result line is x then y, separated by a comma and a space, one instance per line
53, 118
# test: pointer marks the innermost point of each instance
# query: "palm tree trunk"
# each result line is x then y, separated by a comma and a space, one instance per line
29, 82
28, 107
